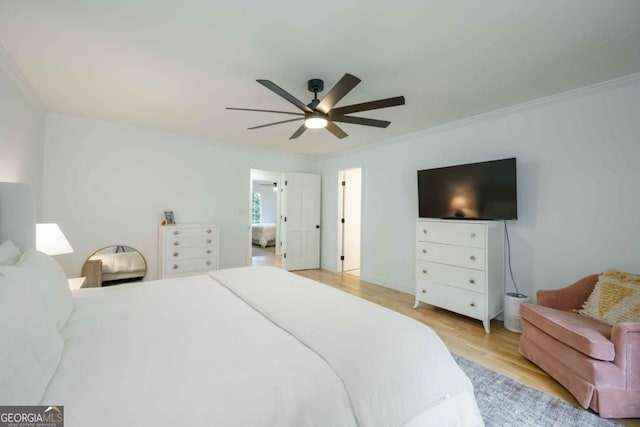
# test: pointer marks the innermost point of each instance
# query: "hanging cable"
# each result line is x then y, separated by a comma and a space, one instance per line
506, 231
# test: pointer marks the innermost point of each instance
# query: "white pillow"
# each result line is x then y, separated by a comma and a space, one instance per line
9, 253
30, 345
48, 280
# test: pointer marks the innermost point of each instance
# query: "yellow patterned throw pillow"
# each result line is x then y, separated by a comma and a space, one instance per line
615, 298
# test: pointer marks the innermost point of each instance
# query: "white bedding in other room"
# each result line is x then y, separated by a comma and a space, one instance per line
263, 233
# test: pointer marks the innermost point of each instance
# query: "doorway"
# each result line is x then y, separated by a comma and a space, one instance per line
264, 235
349, 220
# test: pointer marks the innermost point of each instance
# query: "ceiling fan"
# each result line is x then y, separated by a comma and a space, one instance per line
319, 113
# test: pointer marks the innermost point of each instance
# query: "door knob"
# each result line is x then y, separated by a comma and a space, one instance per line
317, 226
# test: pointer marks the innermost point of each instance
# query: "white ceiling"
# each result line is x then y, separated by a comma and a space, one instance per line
174, 65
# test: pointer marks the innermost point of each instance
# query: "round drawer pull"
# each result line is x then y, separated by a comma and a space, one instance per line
472, 281
175, 266
208, 240
472, 304
472, 258
424, 271
424, 251
176, 232
424, 231
208, 251
175, 254
424, 291
473, 235
208, 230
176, 243
208, 262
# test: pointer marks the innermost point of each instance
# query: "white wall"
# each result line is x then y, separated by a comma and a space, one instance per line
578, 188
21, 132
108, 184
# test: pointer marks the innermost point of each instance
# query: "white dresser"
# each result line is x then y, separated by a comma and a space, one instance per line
460, 266
187, 249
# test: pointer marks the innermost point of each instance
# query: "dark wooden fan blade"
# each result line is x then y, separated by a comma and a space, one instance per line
361, 121
343, 87
298, 132
334, 129
276, 123
286, 95
265, 111
366, 106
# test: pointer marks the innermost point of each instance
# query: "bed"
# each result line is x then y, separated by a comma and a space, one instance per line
263, 234
250, 346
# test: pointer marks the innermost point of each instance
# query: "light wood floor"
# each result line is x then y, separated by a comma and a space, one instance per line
265, 256
463, 336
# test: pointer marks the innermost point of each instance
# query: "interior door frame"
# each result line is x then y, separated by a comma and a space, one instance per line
339, 226
279, 181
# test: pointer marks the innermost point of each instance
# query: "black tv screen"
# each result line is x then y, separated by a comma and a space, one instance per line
485, 190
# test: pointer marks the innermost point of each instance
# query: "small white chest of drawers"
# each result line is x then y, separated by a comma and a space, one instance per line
460, 266
187, 249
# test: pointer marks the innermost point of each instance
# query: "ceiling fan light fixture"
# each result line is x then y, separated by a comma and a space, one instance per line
315, 121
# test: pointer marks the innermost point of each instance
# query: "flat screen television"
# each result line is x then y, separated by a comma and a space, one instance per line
485, 190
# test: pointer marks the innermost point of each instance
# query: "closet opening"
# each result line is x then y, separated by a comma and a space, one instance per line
349, 220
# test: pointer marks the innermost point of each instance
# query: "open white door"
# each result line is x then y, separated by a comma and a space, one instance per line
301, 221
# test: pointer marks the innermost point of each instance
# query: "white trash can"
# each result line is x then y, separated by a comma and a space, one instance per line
512, 319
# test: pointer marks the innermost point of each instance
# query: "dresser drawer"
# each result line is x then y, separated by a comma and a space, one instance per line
462, 256
185, 252
189, 232
465, 278
461, 301
190, 241
451, 233
178, 267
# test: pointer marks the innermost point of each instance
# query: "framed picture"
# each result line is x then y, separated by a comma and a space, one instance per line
169, 218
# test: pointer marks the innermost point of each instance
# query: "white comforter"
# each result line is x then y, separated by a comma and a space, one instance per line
189, 352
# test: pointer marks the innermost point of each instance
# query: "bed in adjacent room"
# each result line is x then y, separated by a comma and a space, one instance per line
263, 234
251, 346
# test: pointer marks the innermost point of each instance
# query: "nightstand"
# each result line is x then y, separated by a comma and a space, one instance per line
76, 282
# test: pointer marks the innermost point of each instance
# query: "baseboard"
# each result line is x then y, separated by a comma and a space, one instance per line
387, 284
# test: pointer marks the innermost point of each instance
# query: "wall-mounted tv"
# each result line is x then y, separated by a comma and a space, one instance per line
485, 190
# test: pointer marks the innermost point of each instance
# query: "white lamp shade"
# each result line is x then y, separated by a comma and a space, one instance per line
51, 240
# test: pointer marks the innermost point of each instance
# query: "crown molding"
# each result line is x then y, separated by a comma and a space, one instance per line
14, 73
628, 80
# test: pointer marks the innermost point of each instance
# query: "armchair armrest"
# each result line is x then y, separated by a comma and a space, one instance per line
626, 340
570, 297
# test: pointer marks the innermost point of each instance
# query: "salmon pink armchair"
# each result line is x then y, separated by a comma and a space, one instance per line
597, 363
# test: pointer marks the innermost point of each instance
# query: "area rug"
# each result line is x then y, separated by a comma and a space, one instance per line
506, 402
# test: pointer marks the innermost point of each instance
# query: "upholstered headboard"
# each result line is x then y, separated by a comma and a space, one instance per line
17, 215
